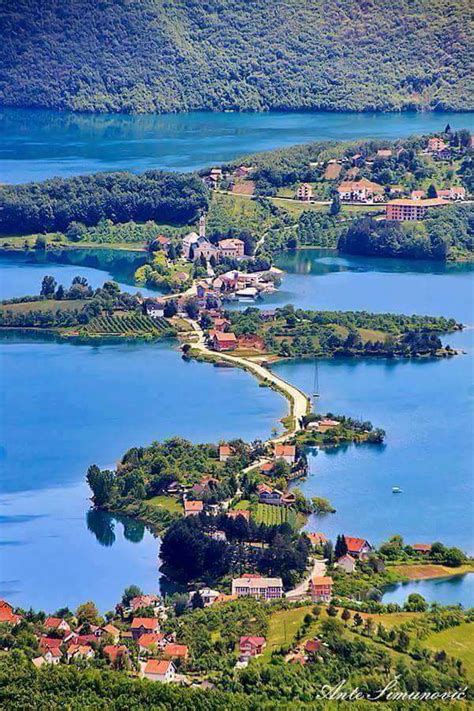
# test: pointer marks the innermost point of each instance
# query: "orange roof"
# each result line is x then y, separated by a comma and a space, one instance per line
111, 629
226, 243
239, 512
80, 649
322, 580
421, 546
150, 638
222, 337
225, 598
176, 650
354, 544
4, 603
254, 641
149, 623
224, 449
113, 650
53, 622
193, 506
285, 450
157, 666
6, 615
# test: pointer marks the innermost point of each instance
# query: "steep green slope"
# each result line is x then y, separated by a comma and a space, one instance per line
177, 55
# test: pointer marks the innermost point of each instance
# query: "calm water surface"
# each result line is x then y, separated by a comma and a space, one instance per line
445, 591
37, 144
74, 405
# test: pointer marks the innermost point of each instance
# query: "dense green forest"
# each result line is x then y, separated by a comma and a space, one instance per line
150, 55
52, 205
444, 234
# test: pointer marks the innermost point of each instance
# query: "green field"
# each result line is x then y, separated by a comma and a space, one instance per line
133, 324
283, 627
44, 305
457, 642
166, 502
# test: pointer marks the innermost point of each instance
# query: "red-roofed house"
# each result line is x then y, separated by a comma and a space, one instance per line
251, 341
114, 651
112, 631
312, 646
286, 452
224, 341
360, 191
424, 548
151, 640
141, 625
53, 655
224, 452
435, 145
320, 588
176, 651
143, 601
317, 539
46, 643
79, 651
267, 467
252, 646
193, 508
159, 670
358, 547
417, 194
233, 248
7, 615
56, 623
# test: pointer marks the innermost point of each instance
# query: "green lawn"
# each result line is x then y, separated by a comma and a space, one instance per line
283, 627
166, 502
457, 642
46, 305
243, 504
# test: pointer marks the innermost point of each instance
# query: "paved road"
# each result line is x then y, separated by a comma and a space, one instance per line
319, 568
299, 401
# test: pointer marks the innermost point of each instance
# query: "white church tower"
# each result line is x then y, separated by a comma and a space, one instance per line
202, 226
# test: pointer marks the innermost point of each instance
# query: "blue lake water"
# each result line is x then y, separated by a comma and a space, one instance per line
37, 144
445, 591
78, 404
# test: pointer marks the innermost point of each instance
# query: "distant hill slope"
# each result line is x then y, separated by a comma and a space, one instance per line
177, 55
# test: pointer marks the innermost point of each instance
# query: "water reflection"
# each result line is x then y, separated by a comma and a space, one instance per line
102, 525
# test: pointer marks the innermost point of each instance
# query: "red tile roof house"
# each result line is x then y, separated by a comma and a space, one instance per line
56, 623
142, 625
193, 508
317, 539
112, 631
286, 452
114, 651
79, 651
312, 646
176, 651
159, 670
224, 341
224, 452
423, 548
252, 646
267, 467
358, 547
7, 615
151, 640
46, 643
320, 588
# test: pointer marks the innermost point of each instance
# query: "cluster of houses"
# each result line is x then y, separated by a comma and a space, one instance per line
238, 181
236, 284
197, 245
65, 641
356, 190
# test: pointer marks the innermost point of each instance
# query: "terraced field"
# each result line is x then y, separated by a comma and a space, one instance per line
128, 324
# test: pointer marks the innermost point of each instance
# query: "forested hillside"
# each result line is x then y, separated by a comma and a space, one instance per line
177, 55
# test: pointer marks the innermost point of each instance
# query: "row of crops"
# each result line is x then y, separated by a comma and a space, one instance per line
274, 515
130, 324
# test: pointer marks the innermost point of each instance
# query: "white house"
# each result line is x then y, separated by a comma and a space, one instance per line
347, 563
159, 670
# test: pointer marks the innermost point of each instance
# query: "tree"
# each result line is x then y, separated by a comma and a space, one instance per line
328, 552
48, 287
431, 192
40, 242
196, 601
129, 593
59, 293
332, 611
87, 613
192, 309
335, 208
416, 603
101, 484
346, 615
341, 547
170, 309
358, 621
